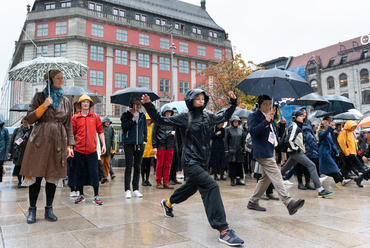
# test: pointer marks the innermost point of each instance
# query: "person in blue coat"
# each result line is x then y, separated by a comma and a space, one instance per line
327, 165
4, 146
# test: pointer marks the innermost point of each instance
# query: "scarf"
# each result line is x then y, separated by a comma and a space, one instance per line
55, 94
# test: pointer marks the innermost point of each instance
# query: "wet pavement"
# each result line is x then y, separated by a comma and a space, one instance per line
340, 221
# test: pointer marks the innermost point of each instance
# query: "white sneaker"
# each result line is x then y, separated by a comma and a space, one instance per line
128, 194
136, 193
178, 176
345, 181
322, 179
72, 194
287, 182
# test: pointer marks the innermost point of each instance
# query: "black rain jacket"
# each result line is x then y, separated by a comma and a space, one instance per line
197, 147
162, 137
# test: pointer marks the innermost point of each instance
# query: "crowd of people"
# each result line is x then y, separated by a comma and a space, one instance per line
195, 143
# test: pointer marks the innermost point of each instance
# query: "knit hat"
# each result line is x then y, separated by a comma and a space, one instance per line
296, 113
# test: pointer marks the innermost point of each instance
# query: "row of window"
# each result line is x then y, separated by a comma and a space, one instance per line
63, 4
120, 81
344, 58
121, 35
60, 50
364, 77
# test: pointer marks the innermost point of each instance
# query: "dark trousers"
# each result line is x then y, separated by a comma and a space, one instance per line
1, 170
145, 168
133, 157
218, 170
199, 179
352, 163
336, 176
302, 170
247, 164
84, 170
236, 170
174, 165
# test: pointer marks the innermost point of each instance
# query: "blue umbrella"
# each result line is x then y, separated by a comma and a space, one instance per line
73, 93
275, 83
125, 96
337, 104
178, 105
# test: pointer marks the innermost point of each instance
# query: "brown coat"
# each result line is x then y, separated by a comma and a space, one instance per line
46, 151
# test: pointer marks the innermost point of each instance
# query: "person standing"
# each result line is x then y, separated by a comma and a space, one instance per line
110, 145
235, 151
194, 157
4, 146
134, 138
49, 145
264, 140
148, 155
217, 161
18, 145
163, 143
84, 171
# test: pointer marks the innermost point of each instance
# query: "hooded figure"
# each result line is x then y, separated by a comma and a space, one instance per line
4, 146
110, 144
194, 156
148, 154
217, 160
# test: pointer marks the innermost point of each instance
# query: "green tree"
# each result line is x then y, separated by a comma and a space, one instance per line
221, 78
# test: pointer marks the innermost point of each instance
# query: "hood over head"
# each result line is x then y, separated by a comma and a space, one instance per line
1, 122
147, 116
235, 118
106, 119
349, 125
86, 97
191, 94
243, 123
165, 109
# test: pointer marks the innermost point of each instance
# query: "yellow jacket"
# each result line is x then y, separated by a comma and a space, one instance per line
346, 139
115, 146
148, 151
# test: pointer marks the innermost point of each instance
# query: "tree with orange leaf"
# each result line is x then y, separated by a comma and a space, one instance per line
219, 79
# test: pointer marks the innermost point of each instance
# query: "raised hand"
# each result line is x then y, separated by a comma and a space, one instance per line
232, 95
145, 99
48, 101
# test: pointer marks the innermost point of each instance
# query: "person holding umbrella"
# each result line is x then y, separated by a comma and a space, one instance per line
134, 138
49, 144
264, 140
195, 153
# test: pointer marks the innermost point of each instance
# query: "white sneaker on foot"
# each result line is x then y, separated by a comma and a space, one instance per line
128, 194
136, 193
287, 182
345, 181
322, 179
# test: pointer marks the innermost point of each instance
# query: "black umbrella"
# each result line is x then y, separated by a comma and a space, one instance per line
242, 113
124, 97
310, 99
321, 113
21, 107
275, 83
73, 93
339, 104
348, 116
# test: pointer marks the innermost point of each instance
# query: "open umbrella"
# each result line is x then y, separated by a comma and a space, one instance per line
322, 113
339, 104
124, 97
33, 71
365, 122
20, 107
310, 99
242, 113
275, 83
350, 115
178, 105
73, 93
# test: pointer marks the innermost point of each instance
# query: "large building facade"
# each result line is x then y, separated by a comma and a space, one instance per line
125, 43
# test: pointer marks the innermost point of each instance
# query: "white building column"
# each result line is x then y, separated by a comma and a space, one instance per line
155, 73
193, 71
133, 62
109, 80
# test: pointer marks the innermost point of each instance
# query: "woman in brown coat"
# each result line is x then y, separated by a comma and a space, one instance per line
46, 152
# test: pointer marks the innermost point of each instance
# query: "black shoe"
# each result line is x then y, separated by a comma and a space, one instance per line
49, 215
238, 182
31, 215
255, 206
293, 206
19, 186
216, 178
301, 186
171, 182
358, 181
104, 180
148, 183
232, 182
177, 182
223, 178
144, 183
309, 186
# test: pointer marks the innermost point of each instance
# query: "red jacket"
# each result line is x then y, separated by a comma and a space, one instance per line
85, 129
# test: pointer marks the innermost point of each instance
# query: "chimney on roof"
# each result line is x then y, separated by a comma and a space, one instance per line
203, 4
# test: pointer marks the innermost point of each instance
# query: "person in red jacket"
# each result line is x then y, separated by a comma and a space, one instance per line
84, 169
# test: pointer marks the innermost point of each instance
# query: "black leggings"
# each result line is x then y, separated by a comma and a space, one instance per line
96, 190
336, 176
34, 191
1, 171
145, 168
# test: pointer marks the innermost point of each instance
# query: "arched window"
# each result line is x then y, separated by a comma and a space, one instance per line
314, 85
345, 95
343, 80
330, 81
366, 97
364, 75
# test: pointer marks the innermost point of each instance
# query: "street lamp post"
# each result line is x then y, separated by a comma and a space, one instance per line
172, 47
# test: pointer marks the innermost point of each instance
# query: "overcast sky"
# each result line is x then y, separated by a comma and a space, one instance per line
260, 30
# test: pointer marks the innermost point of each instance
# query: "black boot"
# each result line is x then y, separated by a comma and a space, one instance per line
216, 177
49, 214
301, 186
309, 186
31, 215
238, 182
223, 178
358, 181
232, 182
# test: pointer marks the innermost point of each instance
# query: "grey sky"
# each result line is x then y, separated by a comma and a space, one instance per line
260, 30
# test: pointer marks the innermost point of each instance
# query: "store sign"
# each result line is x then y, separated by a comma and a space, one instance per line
365, 39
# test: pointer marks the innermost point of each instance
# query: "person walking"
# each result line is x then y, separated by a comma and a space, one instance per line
264, 140
4, 146
148, 154
18, 146
110, 145
49, 145
195, 153
217, 161
134, 135
86, 126
235, 151
163, 144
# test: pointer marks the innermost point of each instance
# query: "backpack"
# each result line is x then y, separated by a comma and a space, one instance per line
284, 141
180, 137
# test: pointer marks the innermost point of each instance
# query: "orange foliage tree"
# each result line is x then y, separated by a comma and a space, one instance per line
221, 78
